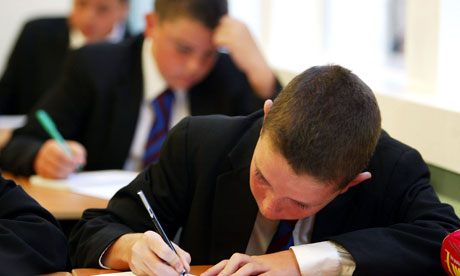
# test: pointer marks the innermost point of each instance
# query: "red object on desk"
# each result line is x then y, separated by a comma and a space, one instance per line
450, 253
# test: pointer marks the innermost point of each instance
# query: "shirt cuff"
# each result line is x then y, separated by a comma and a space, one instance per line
323, 258
102, 255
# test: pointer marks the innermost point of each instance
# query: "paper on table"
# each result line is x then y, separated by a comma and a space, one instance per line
127, 274
12, 121
102, 184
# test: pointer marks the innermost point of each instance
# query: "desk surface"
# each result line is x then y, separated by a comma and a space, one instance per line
195, 269
62, 204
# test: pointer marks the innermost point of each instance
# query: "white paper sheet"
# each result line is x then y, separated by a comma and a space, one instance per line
102, 184
129, 273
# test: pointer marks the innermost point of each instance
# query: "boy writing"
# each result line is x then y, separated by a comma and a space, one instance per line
310, 186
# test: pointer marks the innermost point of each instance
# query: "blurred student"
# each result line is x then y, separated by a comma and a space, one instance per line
310, 186
113, 92
40, 51
31, 242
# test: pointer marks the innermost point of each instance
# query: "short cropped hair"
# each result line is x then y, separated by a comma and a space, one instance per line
207, 12
326, 123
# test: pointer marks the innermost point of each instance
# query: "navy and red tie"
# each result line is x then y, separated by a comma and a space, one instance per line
283, 238
162, 106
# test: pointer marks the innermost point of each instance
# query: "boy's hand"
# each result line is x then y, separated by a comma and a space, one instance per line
53, 162
234, 36
146, 254
281, 263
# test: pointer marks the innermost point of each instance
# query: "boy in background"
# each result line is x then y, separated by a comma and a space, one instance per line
40, 51
108, 97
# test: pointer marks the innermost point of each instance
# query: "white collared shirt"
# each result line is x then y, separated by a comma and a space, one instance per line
322, 258
78, 40
154, 85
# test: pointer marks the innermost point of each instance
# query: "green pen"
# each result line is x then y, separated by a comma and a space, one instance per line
48, 124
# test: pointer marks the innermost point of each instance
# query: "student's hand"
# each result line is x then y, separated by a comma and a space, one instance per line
53, 162
281, 263
234, 36
146, 254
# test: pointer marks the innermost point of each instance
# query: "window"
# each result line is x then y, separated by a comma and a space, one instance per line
394, 45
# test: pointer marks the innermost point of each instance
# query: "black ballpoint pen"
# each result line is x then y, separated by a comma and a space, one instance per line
158, 227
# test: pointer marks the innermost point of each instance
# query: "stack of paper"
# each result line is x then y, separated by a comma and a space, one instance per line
102, 184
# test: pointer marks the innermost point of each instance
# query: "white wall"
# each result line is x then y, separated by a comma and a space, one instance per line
14, 13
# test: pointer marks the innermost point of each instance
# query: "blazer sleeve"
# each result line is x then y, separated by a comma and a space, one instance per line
226, 90
31, 241
409, 226
166, 189
68, 103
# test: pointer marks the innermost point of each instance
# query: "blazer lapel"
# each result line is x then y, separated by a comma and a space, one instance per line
128, 96
235, 208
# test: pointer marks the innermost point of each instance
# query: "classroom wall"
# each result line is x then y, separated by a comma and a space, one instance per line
447, 186
13, 14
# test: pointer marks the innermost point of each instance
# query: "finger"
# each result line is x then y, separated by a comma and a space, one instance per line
251, 269
215, 269
144, 261
56, 168
156, 266
79, 153
138, 267
163, 251
184, 257
57, 155
236, 261
45, 164
63, 163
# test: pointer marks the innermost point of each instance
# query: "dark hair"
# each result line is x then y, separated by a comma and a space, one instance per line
326, 123
207, 12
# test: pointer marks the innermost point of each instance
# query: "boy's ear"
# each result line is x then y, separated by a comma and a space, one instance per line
267, 106
358, 179
149, 24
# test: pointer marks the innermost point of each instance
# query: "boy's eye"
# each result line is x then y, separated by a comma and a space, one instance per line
301, 205
183, 49
102, 9
81, 4
259, 176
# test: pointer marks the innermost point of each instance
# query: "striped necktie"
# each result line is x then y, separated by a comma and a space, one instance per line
162, 109
283, 238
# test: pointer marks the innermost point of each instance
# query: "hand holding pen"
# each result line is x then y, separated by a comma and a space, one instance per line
171, 257
57, 158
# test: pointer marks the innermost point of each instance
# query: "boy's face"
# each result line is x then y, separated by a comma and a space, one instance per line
183, 50
96, 18
280, 193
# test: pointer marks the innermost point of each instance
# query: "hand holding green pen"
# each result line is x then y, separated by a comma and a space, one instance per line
49, 161
48, 124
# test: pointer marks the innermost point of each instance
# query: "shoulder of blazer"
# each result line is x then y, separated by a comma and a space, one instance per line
49, 30
233, 136
111, 60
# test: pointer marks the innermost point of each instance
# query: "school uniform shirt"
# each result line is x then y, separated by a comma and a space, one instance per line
154, 85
